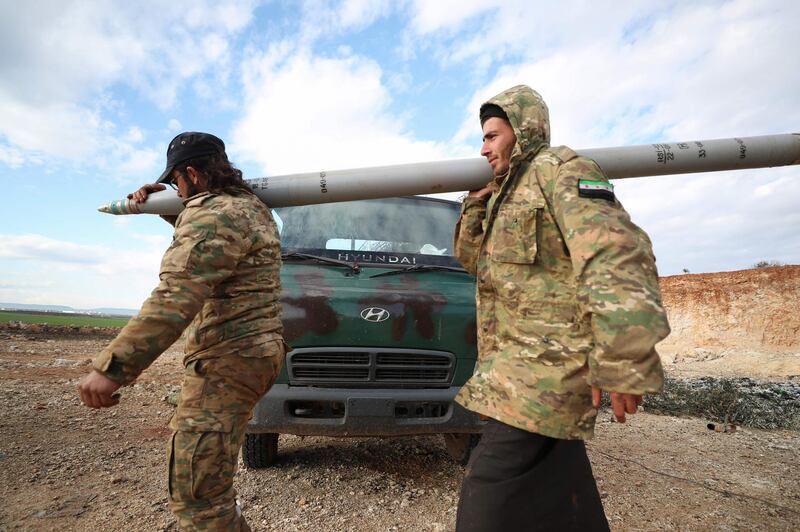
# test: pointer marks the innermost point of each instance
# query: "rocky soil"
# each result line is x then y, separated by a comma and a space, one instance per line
64, 467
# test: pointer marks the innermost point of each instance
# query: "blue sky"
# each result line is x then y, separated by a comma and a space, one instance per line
91, 92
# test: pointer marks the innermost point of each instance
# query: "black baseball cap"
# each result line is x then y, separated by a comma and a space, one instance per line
187, 146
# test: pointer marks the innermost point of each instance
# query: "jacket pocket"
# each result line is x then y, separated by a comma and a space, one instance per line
514, 237
551, 332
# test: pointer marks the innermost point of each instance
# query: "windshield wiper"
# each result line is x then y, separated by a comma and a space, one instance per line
325, 260
421, 268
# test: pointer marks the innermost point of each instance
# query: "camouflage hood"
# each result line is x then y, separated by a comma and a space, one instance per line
529, 118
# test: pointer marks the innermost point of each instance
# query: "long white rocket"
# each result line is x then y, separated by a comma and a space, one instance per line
468, 174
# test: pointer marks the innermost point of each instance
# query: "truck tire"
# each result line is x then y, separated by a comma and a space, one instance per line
259, 450
459, 446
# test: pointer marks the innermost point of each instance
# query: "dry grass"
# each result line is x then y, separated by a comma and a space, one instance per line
740, 401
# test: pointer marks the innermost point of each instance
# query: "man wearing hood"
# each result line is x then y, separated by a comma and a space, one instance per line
568, 306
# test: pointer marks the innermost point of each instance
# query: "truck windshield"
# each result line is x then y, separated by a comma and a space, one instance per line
390, 232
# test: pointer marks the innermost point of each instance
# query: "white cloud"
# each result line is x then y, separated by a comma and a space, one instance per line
30, 289
717, 221
480, 35
134, 135
429, 17
305, 113
43, 248
38, 247
138, 163
52, 91
637, 73
78, 274
325, 18
11, 156
39, 128
707, 72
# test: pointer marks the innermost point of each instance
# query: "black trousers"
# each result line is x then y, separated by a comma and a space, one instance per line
519, 480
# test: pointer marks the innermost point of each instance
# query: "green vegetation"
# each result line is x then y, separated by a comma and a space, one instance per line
58, 318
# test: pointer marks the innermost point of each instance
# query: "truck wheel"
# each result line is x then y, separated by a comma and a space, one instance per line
259, 450
459, 446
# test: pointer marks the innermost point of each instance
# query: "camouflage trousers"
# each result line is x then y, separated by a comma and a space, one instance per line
216, 402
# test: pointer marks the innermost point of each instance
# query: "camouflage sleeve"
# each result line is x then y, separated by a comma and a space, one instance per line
617, 281
469, 233
203, 252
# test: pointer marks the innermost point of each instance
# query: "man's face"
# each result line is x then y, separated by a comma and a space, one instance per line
185, 187
498, 142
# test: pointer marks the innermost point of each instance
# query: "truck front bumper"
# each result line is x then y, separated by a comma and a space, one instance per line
310, 411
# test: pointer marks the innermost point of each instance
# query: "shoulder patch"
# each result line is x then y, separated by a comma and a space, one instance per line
588, 188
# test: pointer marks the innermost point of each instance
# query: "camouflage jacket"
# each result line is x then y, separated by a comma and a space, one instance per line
221, 273
567, 294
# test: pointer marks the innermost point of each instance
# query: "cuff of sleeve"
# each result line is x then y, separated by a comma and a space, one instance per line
633, 377
469, 203
105, 364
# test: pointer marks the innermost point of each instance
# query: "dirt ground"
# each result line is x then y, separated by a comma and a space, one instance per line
65, 467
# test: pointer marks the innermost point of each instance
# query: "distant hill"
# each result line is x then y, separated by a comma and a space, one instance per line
63, 308
115, 311
42, 308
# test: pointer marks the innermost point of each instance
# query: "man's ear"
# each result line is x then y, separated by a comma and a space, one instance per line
194, 175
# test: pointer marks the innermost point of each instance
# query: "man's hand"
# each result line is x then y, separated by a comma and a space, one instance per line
620, 403
97, 390
480, 192
141, 195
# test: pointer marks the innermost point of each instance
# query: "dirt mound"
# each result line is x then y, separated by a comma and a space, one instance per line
45, 330
744, 322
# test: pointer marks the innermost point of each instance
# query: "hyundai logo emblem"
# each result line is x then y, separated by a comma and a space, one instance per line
375, 314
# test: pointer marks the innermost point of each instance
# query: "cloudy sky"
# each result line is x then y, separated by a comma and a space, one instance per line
91, 92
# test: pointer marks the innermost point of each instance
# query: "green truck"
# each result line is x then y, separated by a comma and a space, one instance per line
381, 319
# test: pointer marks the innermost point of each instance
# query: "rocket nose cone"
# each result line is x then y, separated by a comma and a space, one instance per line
120, 207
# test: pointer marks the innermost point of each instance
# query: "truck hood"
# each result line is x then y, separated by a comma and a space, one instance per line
334, 307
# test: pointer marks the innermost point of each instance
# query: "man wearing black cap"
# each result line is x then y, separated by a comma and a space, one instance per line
220, 278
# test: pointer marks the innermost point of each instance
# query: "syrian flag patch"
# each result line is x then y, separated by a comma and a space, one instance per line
595, 189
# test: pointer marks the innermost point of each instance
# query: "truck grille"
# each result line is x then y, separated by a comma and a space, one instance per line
364, 367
